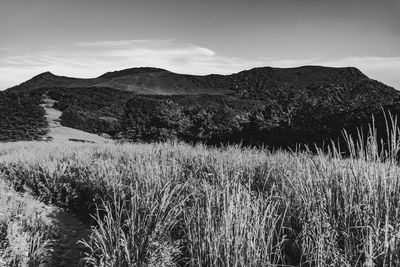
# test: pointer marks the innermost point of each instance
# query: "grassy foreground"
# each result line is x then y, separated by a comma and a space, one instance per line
177, 205
24, 237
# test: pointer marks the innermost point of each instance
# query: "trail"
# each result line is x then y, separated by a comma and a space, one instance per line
63, 230
66, 250
67, 231
60, 133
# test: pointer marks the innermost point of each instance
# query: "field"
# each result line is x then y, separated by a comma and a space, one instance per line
173, 204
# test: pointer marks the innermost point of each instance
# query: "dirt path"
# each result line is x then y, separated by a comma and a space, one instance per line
54, 237
66, 250
63, 134
66, 231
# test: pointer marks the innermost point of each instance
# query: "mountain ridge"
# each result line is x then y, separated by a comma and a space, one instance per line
150, 80
261, 106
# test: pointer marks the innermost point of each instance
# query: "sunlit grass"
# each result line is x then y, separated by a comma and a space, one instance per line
24, 239
179, 205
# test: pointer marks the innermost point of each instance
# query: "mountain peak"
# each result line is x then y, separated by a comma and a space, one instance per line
44, 75
355, 71
131, 71
307, 74
314, 68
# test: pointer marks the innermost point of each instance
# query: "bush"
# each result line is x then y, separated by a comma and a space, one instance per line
21, 118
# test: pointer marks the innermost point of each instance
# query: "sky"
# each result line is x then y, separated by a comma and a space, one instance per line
85, 38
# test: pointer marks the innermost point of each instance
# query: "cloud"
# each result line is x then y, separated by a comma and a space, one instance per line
112, 43
91, 59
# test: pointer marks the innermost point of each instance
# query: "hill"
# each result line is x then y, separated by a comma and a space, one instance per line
138, 80
21, 118
257, 83
277, 107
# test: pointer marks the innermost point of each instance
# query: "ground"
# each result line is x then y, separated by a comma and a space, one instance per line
60, 133
62, 230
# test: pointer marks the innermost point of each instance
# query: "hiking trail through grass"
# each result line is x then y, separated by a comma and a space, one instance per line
58, 133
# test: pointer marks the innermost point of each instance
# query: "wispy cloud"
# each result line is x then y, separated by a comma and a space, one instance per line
116, 43
91, 59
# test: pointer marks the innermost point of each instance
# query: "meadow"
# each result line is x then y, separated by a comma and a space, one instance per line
172, 204
24, 236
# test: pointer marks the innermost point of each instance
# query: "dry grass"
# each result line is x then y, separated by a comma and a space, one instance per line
177, 205
24, 239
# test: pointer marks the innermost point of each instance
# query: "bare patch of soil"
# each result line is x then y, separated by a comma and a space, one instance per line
60, 133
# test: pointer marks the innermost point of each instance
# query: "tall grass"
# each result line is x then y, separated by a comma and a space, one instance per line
177, 205
24, 238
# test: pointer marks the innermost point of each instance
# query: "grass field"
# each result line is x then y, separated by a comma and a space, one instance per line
24, 235
177, 205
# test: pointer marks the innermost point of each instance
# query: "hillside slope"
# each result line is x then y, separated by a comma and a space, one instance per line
138, 80
21, 118
60, 133
257, 83
262, 106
